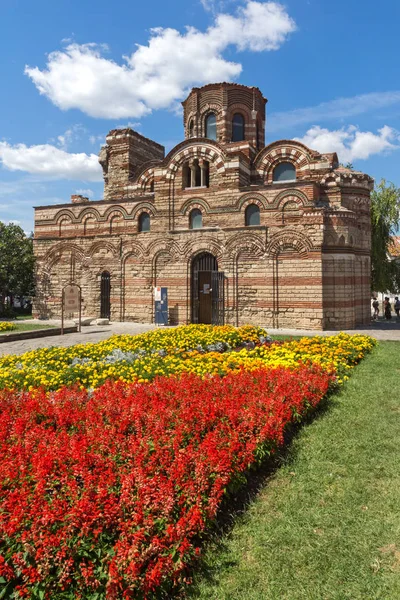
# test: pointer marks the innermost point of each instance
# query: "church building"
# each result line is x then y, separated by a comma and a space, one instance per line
237, 231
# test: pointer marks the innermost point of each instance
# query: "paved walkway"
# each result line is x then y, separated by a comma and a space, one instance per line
381, 330
90, 333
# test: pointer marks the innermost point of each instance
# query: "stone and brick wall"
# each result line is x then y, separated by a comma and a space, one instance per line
306, 265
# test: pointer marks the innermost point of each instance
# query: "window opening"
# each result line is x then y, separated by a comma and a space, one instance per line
196, 173
252, 215
237, 128
144, 222
211, 127
195, 219
285, 171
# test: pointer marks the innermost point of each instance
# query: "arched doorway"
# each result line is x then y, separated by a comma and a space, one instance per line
207, 290
105, 287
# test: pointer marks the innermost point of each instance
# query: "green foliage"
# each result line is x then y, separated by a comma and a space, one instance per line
385, 221
16, 262
348, 165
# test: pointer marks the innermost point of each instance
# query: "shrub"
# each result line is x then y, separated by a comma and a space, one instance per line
7, 326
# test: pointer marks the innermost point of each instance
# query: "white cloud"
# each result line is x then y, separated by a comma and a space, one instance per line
351, 144
88, 193
20, 187
72, 134
50, 162
208, 5
96, 139
159, 74
215, 6
339, 108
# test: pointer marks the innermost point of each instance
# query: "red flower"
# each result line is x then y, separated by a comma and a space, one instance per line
111, 492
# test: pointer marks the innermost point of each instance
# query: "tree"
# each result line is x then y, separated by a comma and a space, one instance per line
385, 221
16, 263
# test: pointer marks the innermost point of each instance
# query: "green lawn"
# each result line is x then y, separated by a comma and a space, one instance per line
23, 326
326, 524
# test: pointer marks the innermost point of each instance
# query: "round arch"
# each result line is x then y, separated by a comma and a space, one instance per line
207, 149
63, 214
195, 203
89, 211
207, 289
289, 239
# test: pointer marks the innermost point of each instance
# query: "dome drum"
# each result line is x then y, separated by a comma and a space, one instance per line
226, 113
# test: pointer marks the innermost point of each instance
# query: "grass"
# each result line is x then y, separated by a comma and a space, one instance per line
326, 524
23, 326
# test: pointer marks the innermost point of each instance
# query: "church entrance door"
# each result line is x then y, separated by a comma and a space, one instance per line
105, 287
207, 290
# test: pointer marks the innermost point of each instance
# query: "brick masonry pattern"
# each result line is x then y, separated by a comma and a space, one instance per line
307, 265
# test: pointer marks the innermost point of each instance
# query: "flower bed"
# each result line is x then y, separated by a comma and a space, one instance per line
92, 364
7, 326
168, 352
108, 485
107, 495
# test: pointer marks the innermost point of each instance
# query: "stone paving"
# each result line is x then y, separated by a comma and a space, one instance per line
89, 334
381, 330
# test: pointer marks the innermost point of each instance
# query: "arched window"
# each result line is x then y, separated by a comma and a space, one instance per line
237, 128
144, 222
211, 127
252, 215
151, 186
285, 171
195, 219
196, 173
191, 128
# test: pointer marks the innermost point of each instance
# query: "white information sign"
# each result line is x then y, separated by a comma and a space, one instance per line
157, 294
71, 298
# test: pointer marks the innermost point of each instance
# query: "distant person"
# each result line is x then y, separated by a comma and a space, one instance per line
397, 306
388, 308
375, 306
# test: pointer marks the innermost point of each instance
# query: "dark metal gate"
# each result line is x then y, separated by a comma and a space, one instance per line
218, 297
207, 290
105, 287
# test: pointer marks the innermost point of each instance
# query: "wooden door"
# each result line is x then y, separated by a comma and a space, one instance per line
205, 297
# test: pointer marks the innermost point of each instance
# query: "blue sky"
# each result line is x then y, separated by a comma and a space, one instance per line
71, 71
